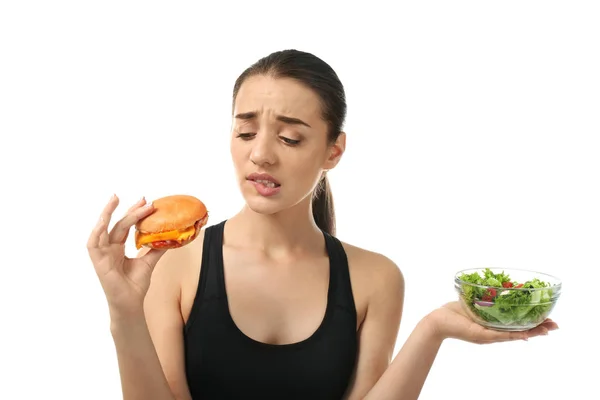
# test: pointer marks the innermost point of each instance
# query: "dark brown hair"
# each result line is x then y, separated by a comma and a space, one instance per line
317, 75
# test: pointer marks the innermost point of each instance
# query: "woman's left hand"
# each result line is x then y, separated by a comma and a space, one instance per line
451, 321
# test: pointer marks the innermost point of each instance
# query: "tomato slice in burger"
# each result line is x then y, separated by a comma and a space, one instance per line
164, 243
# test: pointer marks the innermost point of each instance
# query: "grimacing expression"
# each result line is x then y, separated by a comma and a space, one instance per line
278, 129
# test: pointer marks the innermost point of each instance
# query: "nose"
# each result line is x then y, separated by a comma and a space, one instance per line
263, 151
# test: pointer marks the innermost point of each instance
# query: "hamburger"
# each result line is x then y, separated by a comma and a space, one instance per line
175, 222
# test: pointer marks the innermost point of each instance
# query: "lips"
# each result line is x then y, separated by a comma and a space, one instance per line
265, 184
264, 179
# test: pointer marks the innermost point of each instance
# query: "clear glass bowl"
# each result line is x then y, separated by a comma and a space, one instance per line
507, 299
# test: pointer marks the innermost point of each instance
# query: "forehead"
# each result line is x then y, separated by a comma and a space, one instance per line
279, 96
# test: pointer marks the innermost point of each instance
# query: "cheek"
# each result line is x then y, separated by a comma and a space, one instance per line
237, 153
314, 159
308, 167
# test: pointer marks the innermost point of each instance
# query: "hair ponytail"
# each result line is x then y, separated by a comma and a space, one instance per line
322, 207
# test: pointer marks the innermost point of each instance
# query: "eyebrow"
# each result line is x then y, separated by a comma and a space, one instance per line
287, 120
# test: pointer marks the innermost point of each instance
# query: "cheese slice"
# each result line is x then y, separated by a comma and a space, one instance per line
177, 235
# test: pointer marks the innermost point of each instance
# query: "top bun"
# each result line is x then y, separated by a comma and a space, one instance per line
172, 213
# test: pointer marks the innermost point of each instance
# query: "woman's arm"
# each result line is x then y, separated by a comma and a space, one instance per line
379, 329
375, 378
149, 344
141, 374
405, 377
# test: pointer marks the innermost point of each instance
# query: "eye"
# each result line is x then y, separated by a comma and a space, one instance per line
246, 136
289, 141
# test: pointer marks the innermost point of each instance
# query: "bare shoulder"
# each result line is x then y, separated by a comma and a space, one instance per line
377, 281
374, 269
173, 268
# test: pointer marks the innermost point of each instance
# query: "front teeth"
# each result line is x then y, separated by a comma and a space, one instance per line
266, 183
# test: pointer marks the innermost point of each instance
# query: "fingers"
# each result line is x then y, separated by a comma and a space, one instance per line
550, 324
540, 330
141, 202
493, 336
121, 229
543, 329
99, 234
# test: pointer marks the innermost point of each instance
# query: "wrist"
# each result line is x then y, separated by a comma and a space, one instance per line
119, 318
433, 327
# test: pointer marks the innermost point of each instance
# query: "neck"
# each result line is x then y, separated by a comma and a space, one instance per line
290, 231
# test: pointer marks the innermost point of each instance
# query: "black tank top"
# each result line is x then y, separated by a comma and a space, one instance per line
223, 363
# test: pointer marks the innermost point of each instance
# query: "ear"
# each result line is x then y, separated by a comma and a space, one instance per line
335, 152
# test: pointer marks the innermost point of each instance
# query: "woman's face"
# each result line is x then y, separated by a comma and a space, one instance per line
279, 143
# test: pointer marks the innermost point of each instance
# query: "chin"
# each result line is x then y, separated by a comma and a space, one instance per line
263, 206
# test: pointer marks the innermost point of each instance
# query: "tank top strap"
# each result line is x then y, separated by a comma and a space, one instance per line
210, 286
340, 275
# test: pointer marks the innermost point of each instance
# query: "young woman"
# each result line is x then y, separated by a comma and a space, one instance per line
270, 304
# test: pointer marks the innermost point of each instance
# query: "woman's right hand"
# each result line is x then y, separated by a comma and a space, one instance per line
124, 280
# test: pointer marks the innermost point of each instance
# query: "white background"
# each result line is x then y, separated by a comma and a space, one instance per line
473, 141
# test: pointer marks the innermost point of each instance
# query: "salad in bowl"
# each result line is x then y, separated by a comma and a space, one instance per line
507, 299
